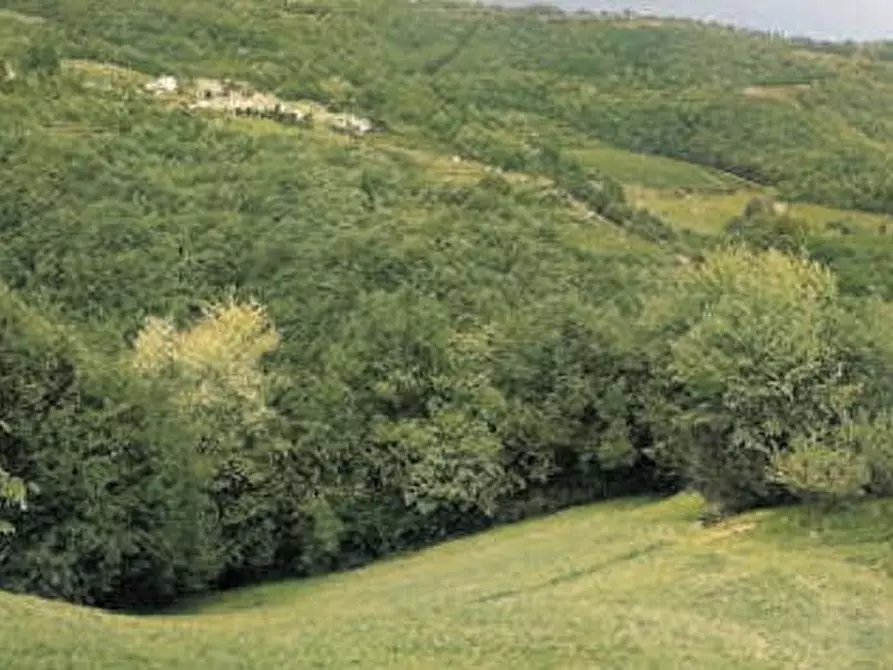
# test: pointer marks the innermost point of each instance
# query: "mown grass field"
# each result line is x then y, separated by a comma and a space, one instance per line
629, 584
709, 212
656, 172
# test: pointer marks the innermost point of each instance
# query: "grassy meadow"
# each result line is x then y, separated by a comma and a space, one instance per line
708, 213
657, 172
628, 584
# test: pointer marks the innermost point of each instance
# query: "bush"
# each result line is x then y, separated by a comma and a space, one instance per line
118, 516
42, 58
752, 364
13, 493
814, 471
764, 226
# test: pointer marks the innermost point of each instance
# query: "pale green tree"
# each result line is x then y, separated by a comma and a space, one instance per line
216, 376
754, 365
217, 362
12, 494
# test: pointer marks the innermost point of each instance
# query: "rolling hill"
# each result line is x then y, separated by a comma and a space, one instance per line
632, 584
808, 119
288, 287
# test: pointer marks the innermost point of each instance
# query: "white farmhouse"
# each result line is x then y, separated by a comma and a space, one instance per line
162, 85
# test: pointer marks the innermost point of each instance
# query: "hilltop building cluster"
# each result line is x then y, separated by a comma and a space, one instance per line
241, 99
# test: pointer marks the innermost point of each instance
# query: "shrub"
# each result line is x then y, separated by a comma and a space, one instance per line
118, 514
752, 363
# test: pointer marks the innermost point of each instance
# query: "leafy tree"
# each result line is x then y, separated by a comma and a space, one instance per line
42, 58
815, 471
215, 372
217, 361
756, 366
12, 494
766, 224
117, 515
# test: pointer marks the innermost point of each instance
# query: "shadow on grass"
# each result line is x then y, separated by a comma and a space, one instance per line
576, 574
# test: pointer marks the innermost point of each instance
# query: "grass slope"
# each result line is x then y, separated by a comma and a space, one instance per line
709, 212
657, 172
630, 584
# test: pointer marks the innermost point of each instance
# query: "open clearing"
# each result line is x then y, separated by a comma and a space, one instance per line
709, 213
628, 584
656, 171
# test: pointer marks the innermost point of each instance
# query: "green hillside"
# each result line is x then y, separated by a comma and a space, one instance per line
808, 120
621, 585
287, 288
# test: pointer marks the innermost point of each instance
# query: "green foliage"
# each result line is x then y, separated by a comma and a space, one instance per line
756, 362
218, 360
865, 441
377, 415
616, 450
459, 340
859, 261
214, 374
118, 515
42, 58
12, 494
783, 113
813, 470
776, 386
765, 225
574, 412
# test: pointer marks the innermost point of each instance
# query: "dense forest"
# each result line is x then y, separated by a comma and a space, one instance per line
235, 349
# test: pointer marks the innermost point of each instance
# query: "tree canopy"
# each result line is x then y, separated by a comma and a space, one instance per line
235, 346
